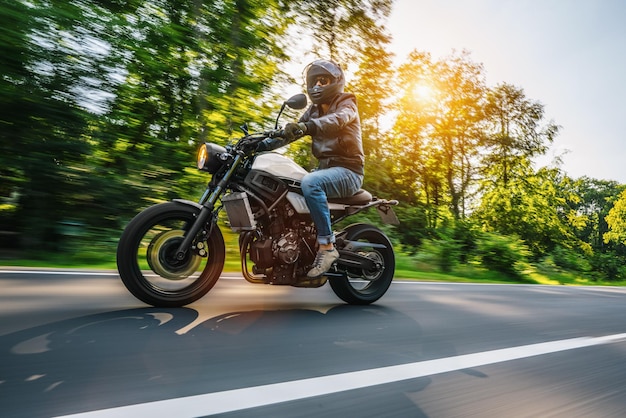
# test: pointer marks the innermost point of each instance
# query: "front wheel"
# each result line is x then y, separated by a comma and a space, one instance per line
146, 256
365, 286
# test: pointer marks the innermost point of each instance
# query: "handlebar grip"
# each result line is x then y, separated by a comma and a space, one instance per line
278, 133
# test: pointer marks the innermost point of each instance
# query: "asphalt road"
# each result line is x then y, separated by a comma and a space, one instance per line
79, 343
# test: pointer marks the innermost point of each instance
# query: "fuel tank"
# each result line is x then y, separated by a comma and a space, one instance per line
279, 166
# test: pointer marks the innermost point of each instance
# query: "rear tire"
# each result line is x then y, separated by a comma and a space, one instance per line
365, 287
146, 261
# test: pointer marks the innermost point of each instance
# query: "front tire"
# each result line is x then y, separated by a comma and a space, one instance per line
363, 287
146, 257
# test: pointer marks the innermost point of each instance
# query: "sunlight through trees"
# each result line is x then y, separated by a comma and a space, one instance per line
103, 104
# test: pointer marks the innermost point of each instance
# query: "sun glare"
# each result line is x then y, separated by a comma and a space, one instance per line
424, 93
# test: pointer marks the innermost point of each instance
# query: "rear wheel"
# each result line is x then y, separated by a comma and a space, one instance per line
364, 286
147, 263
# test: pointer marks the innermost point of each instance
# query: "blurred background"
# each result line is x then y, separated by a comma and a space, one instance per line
104, 103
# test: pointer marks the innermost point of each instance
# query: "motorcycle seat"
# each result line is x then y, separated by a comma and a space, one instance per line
361, 197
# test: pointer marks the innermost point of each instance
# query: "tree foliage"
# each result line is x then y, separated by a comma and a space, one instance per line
437, 129
103, 104
616, 221
42, 136
533, 208
515, 132
342, 30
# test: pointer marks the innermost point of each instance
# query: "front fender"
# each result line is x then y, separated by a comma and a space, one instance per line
188, 203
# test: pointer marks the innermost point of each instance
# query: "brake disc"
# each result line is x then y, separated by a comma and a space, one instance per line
161, 256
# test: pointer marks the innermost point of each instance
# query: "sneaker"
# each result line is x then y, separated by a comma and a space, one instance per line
323, 261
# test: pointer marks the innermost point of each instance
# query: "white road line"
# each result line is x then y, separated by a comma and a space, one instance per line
251, 397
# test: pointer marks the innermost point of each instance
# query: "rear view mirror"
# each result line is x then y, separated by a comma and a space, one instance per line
298, 101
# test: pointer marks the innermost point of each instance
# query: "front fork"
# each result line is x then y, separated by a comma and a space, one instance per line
191, 233
207, 203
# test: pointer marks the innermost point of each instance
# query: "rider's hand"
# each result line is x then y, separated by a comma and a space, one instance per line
294, 131
263, 146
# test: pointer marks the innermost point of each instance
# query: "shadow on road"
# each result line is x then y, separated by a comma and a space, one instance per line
135, 356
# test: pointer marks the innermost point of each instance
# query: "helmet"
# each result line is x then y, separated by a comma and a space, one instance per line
319, 93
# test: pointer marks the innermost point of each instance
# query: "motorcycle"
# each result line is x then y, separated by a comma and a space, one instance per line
172, 254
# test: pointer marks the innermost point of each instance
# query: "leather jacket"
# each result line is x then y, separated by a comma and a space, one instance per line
336, 134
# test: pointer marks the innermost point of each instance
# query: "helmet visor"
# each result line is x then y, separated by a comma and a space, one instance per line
322, 68
322, 80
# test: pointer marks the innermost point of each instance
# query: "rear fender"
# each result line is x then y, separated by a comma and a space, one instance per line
383, 207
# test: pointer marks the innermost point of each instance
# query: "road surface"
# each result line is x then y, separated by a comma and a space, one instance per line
77, 343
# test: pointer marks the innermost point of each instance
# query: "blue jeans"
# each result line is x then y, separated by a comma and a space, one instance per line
321, 185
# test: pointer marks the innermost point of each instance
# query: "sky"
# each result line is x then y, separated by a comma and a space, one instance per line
569, 55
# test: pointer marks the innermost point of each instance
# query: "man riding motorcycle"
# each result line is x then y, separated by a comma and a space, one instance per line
333, 123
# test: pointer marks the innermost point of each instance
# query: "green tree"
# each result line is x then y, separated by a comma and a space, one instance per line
42, 140
193, 72
611, 262
616, 221
595, 199
103, 103
437, 130
533, 207
372, 85
515, 132
342, 30
517, 200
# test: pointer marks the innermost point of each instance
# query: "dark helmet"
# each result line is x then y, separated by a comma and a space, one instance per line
318, 93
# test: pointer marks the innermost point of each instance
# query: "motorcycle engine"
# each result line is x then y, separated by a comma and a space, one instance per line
282, 256
287, 248
283, 247
266, 253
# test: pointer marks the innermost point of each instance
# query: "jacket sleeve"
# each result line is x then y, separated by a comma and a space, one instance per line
335, 120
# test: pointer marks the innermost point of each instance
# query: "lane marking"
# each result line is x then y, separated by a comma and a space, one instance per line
257, 396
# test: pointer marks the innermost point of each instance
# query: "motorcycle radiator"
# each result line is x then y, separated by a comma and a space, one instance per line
239, 212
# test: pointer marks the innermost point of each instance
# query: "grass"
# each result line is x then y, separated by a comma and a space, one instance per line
98, 261
407, 267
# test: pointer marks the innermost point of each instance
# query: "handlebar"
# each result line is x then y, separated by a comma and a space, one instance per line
254, 138
276, 133
249, 142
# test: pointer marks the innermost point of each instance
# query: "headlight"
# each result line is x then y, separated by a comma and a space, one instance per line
209, 157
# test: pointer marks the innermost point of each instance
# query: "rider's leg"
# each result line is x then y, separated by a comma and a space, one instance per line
317, 187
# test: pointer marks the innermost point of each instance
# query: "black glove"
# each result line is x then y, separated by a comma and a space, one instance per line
294, 131
264, 145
